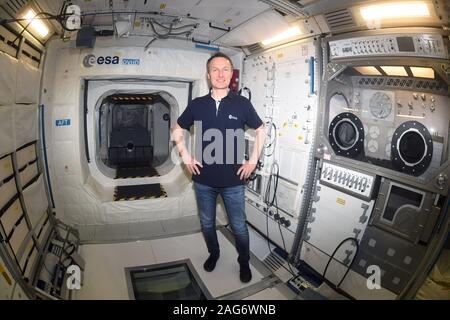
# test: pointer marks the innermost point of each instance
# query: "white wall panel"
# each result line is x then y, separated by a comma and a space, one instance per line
8, 74
27, 84
7, 191
6, 130
25, 155
25, 124
6, 167
36, 201
11, 216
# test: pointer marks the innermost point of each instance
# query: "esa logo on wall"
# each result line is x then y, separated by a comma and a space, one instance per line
91, 60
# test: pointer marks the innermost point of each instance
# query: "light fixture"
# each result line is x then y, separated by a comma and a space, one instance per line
291, 32
394, 71
422, 72
368, 71
410, 9
36, 24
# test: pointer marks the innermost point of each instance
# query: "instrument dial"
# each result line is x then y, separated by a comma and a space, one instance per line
380, 105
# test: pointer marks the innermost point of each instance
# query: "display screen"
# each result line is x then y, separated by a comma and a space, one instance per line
405, 44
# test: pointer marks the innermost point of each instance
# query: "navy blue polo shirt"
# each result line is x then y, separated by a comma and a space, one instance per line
222, 136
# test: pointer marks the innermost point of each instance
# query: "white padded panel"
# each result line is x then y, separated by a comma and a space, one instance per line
6, 130
25, 124
6, 167
8, 74
7, 191
31, 262
25, 156
19, 235
44, 231
28, 83
29, 173
36, 201
11, 216
25, 254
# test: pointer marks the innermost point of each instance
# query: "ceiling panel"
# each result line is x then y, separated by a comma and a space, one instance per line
231, 13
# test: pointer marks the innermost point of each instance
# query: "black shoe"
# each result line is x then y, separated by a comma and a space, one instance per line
245, 273
210, 263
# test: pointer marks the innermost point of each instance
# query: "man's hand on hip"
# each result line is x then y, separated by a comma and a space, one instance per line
246, 170
191, 164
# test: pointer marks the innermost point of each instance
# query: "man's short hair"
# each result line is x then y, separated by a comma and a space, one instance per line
218, 55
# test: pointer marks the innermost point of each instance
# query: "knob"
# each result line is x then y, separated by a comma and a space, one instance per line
276, 216
415, 95
423, 97
282, 220
432, 108
287, 223
441, 181
270, 213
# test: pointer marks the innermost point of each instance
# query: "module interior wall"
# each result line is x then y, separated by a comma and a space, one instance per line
77, 201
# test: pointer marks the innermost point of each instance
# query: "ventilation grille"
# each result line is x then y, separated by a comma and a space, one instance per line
339, 19
14, 6
254, 48
430, 85
287, 7
402, 83
273, 262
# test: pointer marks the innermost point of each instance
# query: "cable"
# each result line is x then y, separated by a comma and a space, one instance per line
350, 265
177, 28
150, 42
281, 233
270, 204
273, 138
269, 184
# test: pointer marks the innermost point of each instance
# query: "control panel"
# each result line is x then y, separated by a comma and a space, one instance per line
424, 45
348, 180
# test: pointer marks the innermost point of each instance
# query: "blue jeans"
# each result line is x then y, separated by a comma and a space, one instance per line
233, 198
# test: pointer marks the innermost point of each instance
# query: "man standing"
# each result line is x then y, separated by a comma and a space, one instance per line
223, 170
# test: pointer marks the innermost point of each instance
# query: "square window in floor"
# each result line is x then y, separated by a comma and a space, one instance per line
168, 281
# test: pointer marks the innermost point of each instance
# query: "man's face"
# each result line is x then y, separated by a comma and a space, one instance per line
220, 73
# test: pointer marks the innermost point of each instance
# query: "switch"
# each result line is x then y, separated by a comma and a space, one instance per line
324, 172
363, 189
415, 96
423, 97
350, 182
356, 183
330, 174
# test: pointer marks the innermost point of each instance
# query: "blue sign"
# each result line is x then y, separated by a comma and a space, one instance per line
126, 61
63, 122
202, 46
